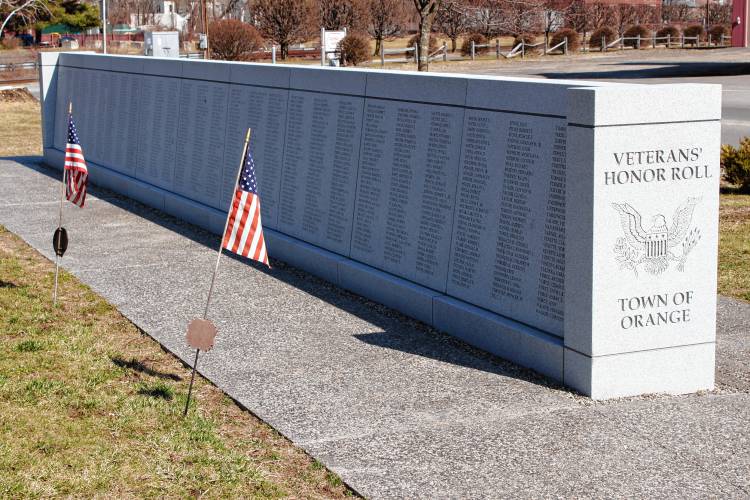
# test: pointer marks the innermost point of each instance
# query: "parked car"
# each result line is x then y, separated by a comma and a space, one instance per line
26, 39
68, 42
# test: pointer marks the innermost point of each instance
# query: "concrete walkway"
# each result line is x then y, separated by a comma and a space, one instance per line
396, 409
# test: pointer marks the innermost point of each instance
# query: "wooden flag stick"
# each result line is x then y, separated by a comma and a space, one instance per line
216, 267
59, 220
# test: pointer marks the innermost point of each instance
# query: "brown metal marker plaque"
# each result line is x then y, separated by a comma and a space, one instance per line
201, 334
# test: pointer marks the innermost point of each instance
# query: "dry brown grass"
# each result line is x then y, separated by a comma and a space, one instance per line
91, 407
20, 128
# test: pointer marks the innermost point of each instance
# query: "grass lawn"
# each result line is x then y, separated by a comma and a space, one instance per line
734, 245
90, 407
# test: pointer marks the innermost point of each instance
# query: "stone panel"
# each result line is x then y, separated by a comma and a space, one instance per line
406, 189
157, 133
199, 165
264, 111
508, 234
320, 168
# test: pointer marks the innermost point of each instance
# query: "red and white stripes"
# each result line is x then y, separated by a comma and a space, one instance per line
244, 235
77, 174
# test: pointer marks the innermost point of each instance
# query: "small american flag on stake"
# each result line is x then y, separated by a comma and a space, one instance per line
244, 232
75, 167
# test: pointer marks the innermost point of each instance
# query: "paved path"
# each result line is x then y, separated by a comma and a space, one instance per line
396, 409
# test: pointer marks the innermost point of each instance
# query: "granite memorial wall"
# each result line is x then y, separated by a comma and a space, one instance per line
444, 196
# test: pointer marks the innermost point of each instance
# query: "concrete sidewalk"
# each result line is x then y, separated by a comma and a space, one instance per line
396, 409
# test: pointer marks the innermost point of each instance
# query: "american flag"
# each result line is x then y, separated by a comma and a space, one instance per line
244, 233
75, 167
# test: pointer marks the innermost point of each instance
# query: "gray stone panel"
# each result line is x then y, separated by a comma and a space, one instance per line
675, 370
65, 81
203, 216
199, 166
529, 95
48, 95
76, 59
157, 133
328, 80
316, 261
84, 98
508, 234
119, 121
402, 295
215, 71
320, 168
501, 336
126, 64
438, 89
406, 189
263, 75
162, 67
264, 111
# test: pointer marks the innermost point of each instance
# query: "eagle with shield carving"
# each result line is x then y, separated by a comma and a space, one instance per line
655, 248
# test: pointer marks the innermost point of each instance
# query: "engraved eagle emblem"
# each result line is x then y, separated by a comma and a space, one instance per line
654, 248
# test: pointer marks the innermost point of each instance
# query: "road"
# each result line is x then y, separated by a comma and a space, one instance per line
728, 67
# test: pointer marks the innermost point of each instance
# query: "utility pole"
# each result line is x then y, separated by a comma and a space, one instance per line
707, 12
204, 15
104, 16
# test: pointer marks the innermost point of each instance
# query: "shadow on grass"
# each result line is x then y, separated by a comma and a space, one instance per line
7, 284
140, 367
734, 190
158, 391
398, 332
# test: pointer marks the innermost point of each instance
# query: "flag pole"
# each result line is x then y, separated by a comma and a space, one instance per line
216, 267
59, 219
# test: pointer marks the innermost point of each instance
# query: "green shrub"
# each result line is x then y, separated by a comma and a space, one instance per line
355, 49
692, 31
736, 164
478, 39
595, 42
670, 31
574, 41
632, 33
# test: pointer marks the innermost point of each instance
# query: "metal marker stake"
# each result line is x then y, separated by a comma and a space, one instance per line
216, 267
59, 221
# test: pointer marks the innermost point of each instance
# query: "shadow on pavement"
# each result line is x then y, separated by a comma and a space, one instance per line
661, 69
414, 338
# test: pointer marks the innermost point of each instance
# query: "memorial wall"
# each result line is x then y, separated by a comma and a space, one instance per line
446, 190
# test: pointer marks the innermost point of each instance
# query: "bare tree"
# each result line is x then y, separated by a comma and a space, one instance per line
487, 17
646, 15
283, 21
553, 13
426, 10
25, 11
719, 13
340, 14
626, 15
452, 20
601, 14
676, 11
386, 20
521, 16
578, 18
